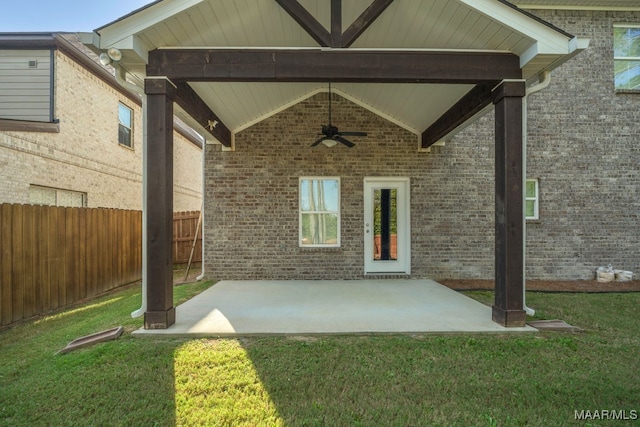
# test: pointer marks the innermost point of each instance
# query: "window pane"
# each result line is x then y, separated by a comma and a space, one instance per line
70, 198
124, 136
634, 42
377, 211
124, 116
319, 195
42, 195
306, 195
627, 74
626, 42
531, 189
531, 208
620, 43
319, 229
385, 224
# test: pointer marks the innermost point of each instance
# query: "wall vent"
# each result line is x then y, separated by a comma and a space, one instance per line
33, 63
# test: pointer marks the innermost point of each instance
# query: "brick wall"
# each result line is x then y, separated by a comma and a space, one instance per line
583, 148
85, 156
252, 198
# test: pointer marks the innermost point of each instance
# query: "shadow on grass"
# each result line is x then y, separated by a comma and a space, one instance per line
123, 382
465, 379
461, 379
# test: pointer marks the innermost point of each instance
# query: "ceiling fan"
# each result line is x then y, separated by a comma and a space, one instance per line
330, 135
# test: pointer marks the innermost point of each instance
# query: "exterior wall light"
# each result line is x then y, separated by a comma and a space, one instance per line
111, 55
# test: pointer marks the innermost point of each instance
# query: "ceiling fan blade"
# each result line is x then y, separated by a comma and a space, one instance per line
344, 141
319, 141
353, 133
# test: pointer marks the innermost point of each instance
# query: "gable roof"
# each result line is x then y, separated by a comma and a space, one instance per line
407, 25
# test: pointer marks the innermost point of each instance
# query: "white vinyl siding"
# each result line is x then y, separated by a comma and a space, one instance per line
25, 85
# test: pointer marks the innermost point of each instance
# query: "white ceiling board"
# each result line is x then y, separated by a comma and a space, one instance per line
240, 103
485, 25
409, 105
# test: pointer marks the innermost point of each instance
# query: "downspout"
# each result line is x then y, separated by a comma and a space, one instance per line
120, 78
204, 148
545, 79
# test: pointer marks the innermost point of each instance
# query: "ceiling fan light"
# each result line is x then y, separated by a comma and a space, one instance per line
329, 143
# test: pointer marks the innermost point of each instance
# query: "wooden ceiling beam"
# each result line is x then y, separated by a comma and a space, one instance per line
336, 23
363, 21
336, 38
469, 105
317, 65
310, 24
191, 102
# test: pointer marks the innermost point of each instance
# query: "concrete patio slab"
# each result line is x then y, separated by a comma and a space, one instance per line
285, 307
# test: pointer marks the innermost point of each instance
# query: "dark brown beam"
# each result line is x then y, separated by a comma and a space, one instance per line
310, 24
160, 313
472, 103
336, 23
189, 101
508, 308
363, 21
313, 65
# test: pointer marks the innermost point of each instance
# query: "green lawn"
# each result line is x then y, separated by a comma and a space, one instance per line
420, 380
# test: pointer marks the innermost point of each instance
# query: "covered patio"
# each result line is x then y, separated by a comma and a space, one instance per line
293, 307
227, 66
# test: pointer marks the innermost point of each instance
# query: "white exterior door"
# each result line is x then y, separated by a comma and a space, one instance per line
387, 228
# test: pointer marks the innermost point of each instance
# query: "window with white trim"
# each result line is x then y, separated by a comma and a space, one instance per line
319, 211
626, 52
39, 195
125, 125
531, 199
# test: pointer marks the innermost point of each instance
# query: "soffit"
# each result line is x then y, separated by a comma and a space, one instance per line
485, 25
579, 4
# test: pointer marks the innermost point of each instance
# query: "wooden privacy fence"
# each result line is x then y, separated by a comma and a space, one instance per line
185, 225
53, 256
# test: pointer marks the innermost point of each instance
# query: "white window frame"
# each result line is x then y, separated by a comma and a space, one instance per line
301, 213
535, 199
625, 58
130, 110
58, 196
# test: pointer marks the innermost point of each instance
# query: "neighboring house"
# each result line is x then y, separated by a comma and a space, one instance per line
70, 135
441, 184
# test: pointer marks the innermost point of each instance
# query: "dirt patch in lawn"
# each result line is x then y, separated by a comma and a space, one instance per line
547, 285
180, 271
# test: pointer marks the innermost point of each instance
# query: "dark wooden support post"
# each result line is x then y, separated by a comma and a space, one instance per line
160, 312
508, 309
